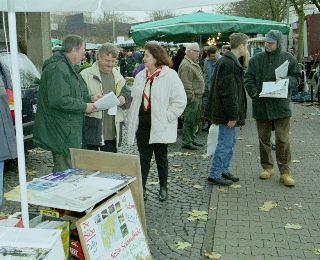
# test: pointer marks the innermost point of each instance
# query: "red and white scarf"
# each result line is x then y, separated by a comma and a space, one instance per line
147, 88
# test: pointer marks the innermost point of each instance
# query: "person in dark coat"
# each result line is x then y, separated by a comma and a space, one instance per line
272, 112
227, 107
62, 102
8, 147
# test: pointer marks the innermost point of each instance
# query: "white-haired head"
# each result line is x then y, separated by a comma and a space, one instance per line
193, 51
191, 45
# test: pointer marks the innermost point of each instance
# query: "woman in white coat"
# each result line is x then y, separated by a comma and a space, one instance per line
159, 99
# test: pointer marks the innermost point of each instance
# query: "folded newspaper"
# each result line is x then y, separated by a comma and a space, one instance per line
278, 88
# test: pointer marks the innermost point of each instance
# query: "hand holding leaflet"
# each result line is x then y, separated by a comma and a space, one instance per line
282, 71
107, 101
278, 88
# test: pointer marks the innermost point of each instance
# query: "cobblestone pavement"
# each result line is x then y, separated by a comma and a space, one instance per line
235, 228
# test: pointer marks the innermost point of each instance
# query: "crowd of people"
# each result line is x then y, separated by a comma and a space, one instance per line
163, 89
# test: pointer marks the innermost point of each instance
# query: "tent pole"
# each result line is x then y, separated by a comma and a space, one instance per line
18, 111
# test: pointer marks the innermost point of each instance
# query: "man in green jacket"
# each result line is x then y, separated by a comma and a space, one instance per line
191, 76
62, 101
272, 112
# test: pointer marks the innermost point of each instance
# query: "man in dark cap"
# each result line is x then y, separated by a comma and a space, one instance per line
272, 112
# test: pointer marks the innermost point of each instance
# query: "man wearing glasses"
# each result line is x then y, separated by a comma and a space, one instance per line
191, 76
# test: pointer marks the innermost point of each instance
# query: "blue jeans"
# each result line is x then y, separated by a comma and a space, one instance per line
1, 181
224, 150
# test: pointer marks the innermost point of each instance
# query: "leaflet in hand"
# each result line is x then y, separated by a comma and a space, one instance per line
282, 71
107, 101
278, 89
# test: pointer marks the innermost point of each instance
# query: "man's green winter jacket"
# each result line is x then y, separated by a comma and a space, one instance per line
62, 102
262, 69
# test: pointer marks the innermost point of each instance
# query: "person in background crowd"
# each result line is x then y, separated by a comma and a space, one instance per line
272, 112
225, 48
122, 62
102, 131
191, 76
8, 147
177, 59
130, 64
158, 100
227, 108
209, 66
139, 66
62, 101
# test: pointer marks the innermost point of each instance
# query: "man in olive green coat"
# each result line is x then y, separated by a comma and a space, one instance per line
272, 112
62, 101
192, 78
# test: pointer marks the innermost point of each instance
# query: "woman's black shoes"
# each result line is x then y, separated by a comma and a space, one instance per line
163, 194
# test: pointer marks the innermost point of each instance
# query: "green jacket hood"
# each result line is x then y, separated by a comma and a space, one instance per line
58, 56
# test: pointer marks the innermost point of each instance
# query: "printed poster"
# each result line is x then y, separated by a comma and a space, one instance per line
114, 231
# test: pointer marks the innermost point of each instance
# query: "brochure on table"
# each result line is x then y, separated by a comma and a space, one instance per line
114, 231
73, 189
278, 88
28, 244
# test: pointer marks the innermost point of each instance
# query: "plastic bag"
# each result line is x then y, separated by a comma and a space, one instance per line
212, 140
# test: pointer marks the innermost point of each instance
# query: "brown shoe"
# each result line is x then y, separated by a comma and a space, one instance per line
287, 180
266, 174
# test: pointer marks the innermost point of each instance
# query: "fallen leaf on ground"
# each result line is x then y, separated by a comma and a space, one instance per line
31, 173
288, 208
295, 161
298, 205
259, 191
152, 183
293, 226
194, 167
249, 145
182, 245
213, 208
197, 215
235, 186
222, 190
249, 153
183, 180
176, 169
197, 186
177, 165
205, 156
240, 138
268, 205
213, 255
317, 251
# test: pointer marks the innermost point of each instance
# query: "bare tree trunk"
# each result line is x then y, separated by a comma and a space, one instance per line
299, 8
301, 15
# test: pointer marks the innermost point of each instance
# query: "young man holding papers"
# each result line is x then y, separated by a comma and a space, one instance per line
272, 111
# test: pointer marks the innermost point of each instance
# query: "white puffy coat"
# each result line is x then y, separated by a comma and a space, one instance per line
168, 101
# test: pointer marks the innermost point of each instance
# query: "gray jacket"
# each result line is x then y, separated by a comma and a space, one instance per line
8, 147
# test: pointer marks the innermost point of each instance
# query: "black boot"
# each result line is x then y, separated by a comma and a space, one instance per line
163, 193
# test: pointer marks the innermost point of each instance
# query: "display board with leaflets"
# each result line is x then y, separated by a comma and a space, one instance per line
114, 231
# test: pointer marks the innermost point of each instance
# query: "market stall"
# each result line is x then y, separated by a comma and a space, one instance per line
191, 27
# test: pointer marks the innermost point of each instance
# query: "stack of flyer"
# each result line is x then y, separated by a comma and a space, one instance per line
75, 189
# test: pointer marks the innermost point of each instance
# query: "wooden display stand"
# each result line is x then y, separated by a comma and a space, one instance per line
113, 162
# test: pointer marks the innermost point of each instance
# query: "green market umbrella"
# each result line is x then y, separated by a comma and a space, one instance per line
186, 27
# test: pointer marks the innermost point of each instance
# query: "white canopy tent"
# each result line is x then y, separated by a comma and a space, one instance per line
13, 6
